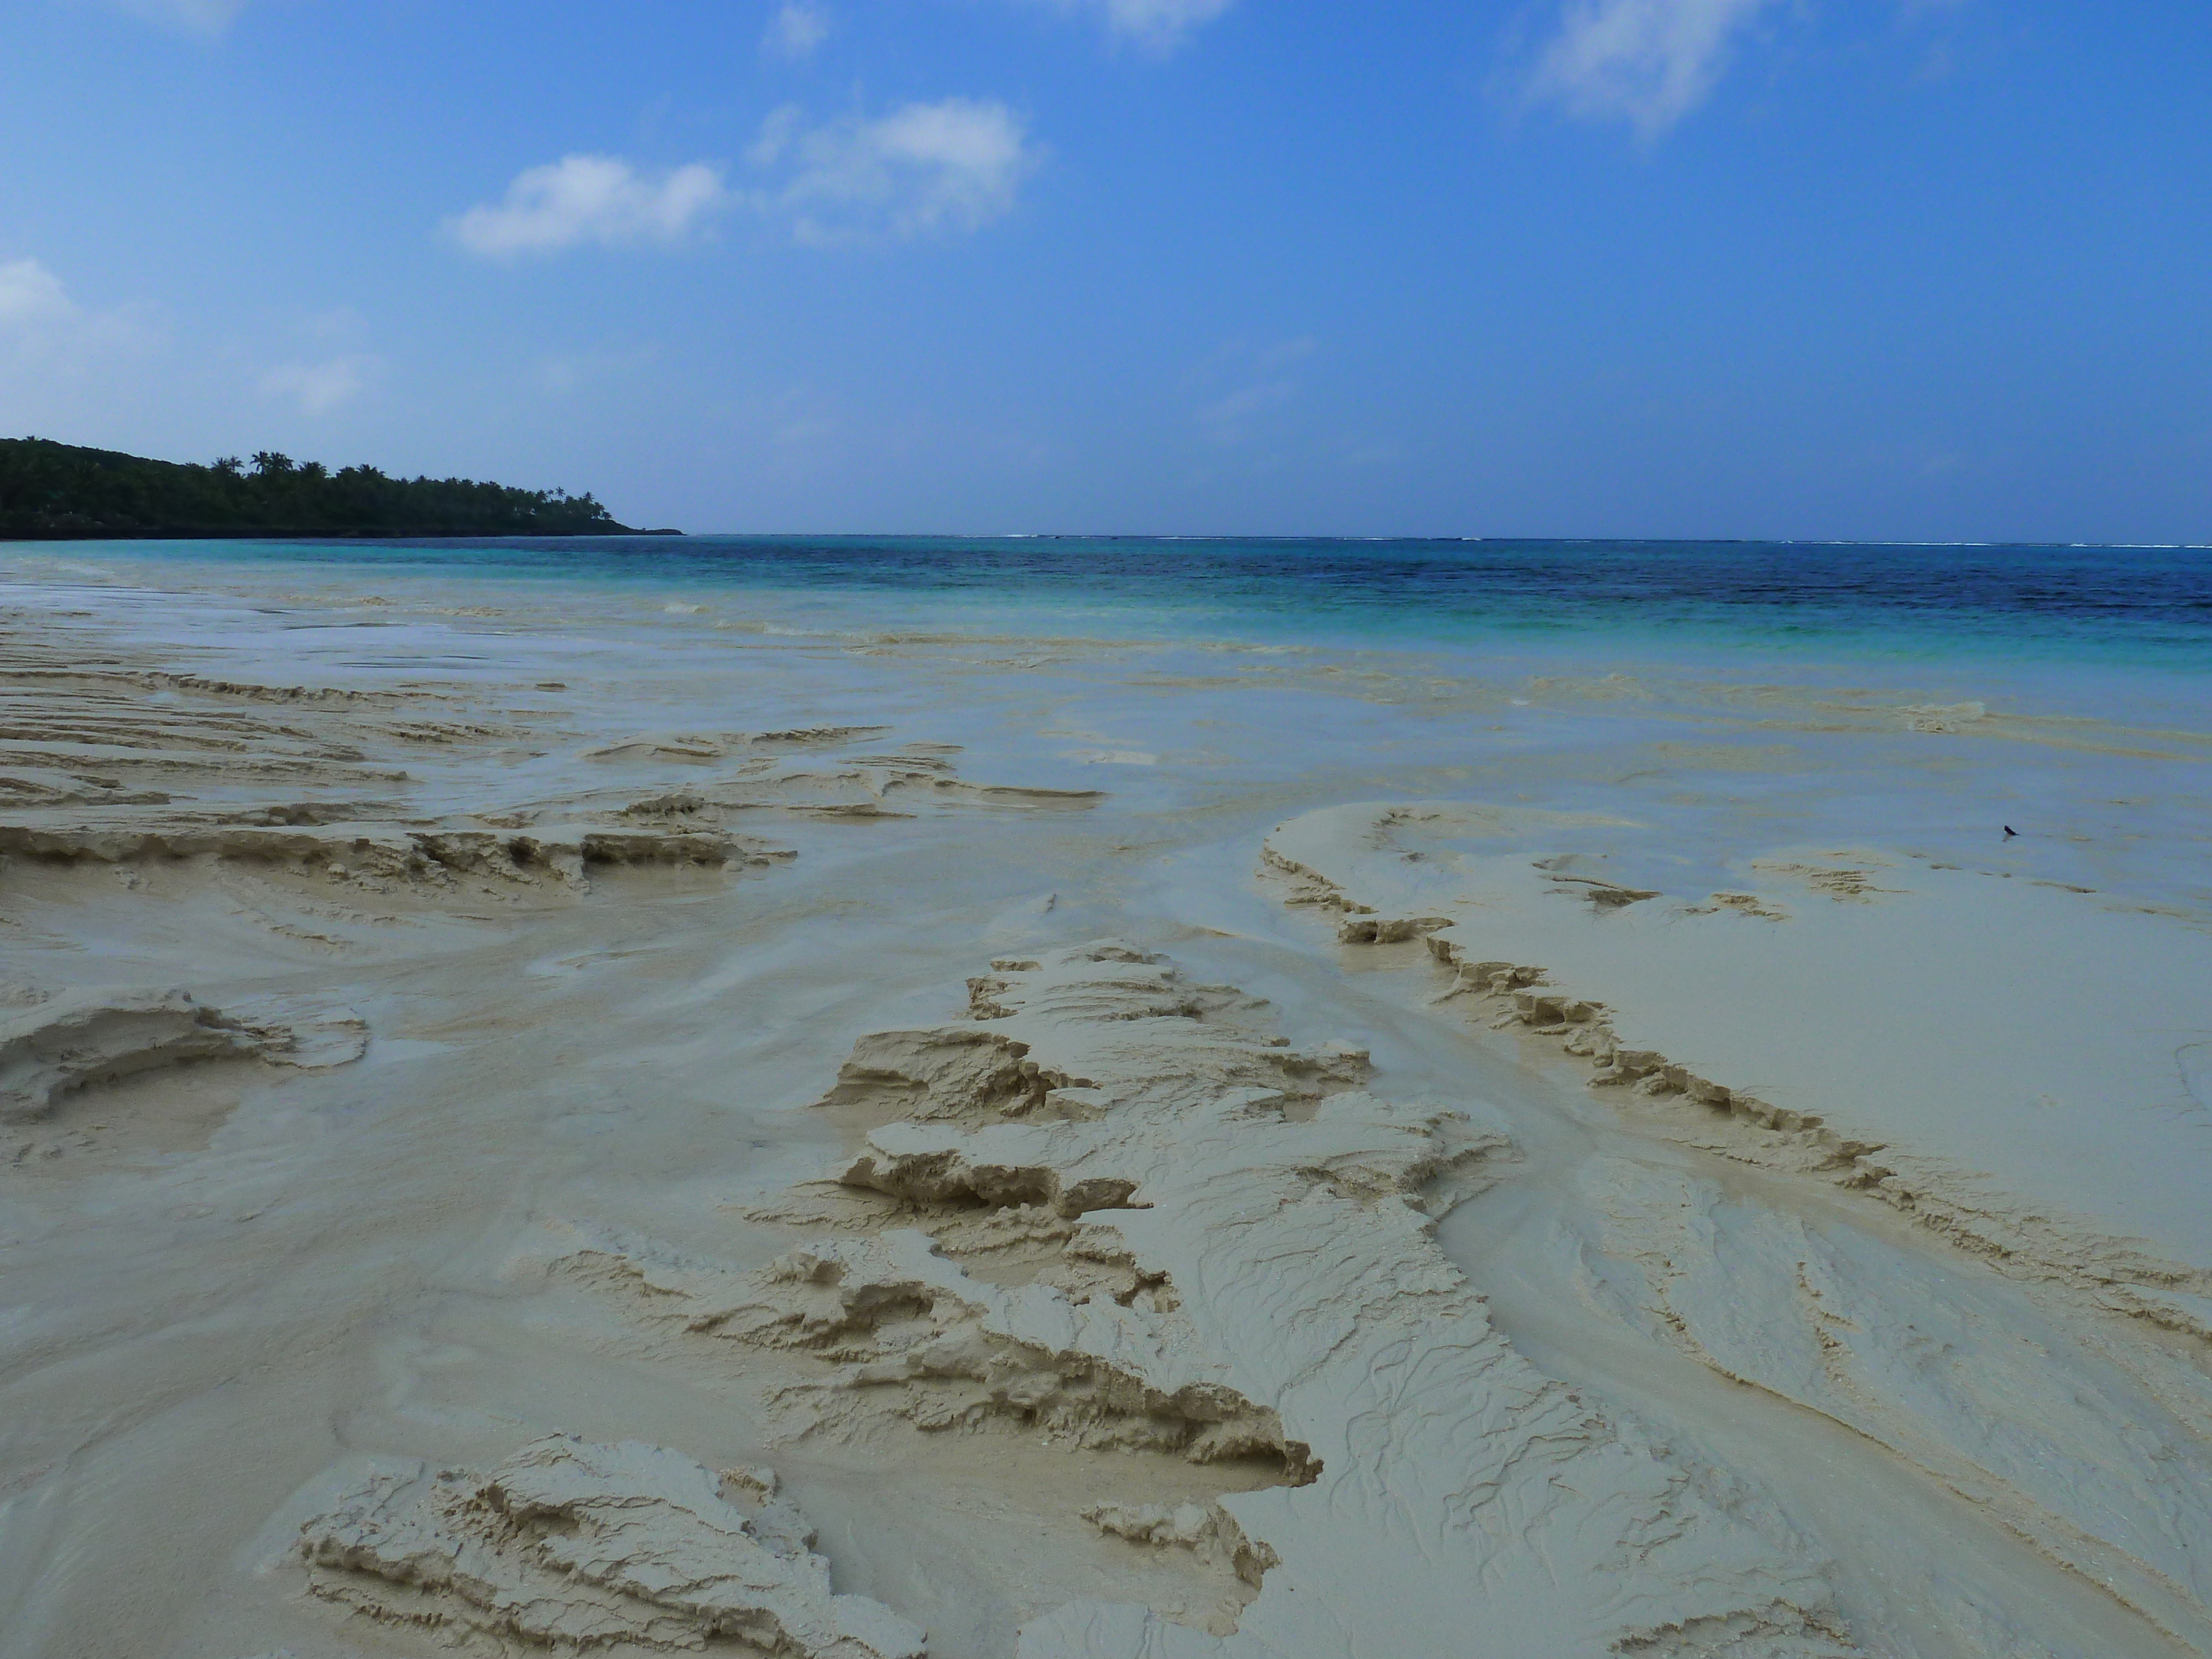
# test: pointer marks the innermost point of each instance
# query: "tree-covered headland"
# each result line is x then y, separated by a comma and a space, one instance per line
55, 491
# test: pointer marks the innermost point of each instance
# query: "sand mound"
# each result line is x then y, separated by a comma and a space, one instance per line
575, 1546
53, 1048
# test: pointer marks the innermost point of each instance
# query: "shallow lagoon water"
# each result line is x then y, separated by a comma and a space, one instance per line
1435, 653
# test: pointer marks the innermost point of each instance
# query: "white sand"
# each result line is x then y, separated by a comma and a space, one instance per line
536, 1120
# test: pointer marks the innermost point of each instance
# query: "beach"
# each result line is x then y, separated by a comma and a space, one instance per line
641, 1108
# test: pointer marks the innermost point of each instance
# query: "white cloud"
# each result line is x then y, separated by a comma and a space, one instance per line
317, 388
592, 198
1646, 62
797, 28
1160, 25
955, 165
923, 167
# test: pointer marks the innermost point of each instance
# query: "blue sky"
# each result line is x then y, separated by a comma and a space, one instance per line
1910, 268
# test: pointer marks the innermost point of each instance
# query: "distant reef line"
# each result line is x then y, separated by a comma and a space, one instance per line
53, 491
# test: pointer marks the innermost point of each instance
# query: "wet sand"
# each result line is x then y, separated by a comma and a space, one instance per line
537, 1118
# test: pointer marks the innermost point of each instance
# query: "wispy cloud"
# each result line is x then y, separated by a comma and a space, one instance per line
594, 366
1646, 62
39, 323
1156, 25
54, 351
592, 199
1229, 420
318, 388
951, 165
797, 28
1260, 380
32, 298
192, 17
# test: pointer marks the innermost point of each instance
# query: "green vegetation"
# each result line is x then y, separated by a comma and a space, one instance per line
55, 491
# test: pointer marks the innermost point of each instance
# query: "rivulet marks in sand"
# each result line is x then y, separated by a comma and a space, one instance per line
577, 1547
1877, 1036
1245, 1269
2082, 1436
2053, 1434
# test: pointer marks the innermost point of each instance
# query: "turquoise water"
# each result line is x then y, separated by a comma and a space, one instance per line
2142, 607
